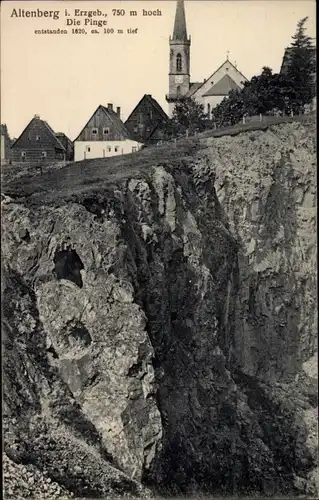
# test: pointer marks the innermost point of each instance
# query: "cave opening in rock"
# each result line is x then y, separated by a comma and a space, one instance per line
68, 265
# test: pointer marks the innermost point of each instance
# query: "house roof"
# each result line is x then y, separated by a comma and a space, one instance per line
180, 31
222, 87
211, 76
155, 105
116, 120
55, 141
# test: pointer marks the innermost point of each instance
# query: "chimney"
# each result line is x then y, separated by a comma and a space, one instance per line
118, 111
110, 106
37, 116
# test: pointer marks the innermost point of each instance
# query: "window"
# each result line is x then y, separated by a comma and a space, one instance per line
23, 154
38, 137
94, 131
88, 148
135, 130
116, 149
178, 90
208, 111
151, 114
178, 62
106, 131
109, 149
134, 148
44, 154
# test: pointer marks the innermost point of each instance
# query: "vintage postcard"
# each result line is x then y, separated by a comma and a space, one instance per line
159, 249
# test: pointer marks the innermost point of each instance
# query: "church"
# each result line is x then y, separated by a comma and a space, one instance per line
212, 90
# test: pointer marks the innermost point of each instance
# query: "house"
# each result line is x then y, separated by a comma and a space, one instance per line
212, 90
37, 142
104, 135
67, 144
5, 143
147, 121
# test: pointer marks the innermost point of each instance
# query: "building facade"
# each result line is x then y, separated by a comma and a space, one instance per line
67, 144
5, 143
212, 90
37, 143
146, 123
104, 135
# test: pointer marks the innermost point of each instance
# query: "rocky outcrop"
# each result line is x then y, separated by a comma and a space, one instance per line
160, 329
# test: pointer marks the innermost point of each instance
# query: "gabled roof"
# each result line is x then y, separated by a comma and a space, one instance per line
155, 105
116, 120
55, 141
193, 88
180, 31
222, 87
211, 76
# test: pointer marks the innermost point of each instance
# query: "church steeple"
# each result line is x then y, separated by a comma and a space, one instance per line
179, 59
180, 31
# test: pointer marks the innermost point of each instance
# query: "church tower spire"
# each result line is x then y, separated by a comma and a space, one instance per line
180, 31
179, 59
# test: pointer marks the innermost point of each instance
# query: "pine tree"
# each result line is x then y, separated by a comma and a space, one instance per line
301, 66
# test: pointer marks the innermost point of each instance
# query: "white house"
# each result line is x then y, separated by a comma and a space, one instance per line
104, 135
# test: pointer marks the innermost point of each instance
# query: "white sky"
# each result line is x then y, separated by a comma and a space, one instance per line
63, 78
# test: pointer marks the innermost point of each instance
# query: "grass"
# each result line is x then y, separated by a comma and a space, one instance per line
87, 176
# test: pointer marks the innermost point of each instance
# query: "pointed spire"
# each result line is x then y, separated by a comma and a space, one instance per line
180, 31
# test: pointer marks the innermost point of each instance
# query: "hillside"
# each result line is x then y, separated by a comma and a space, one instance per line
159, 320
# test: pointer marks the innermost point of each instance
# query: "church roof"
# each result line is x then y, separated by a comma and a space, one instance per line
222, 87
180, 31
193, 88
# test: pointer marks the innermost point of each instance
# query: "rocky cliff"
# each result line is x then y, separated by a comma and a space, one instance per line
159, 320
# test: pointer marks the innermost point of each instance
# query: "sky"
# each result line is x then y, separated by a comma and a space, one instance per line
63, 78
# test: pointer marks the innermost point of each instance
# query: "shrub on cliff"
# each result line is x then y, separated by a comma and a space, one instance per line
189, 116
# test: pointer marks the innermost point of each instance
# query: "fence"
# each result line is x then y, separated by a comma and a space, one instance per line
247, 123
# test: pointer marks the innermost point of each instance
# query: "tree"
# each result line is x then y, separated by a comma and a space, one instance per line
187, 115
301, 66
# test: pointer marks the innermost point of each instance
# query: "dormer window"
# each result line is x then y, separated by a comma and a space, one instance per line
178, 62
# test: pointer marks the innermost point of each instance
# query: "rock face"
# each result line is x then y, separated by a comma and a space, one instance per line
162, 329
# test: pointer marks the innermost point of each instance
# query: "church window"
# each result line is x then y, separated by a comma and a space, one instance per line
179, 62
